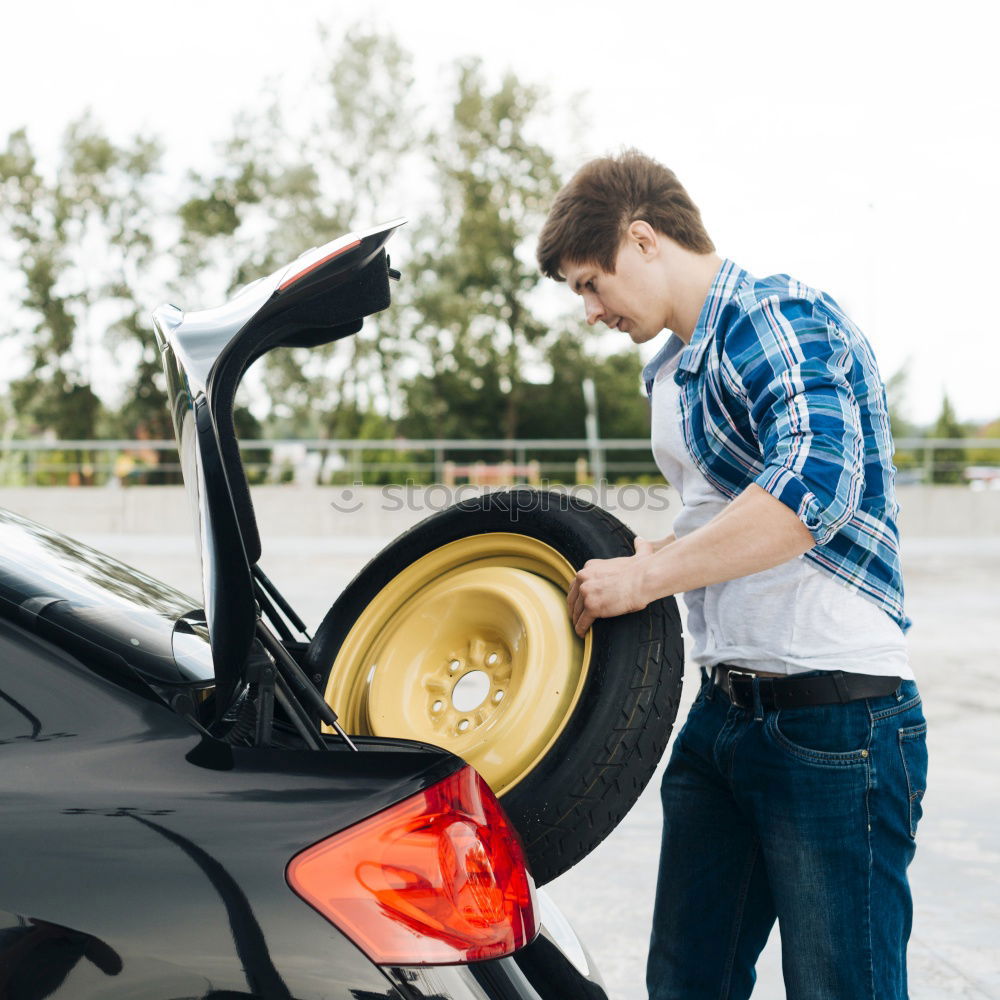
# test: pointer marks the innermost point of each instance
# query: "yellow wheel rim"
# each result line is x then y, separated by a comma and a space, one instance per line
469, 648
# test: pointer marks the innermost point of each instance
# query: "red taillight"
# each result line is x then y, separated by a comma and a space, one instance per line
437, 879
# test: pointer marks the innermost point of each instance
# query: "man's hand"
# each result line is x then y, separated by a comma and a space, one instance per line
605, 588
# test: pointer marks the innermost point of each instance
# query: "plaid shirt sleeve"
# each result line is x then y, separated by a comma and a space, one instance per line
792, 363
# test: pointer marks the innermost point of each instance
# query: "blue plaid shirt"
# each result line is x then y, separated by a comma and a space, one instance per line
779, 388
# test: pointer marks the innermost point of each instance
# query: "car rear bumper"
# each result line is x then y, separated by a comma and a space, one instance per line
553, 967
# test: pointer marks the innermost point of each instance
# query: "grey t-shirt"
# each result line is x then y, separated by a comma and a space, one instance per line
788, 619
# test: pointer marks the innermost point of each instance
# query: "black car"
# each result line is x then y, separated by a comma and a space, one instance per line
184, 812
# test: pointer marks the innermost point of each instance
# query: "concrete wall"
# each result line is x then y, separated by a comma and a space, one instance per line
371, 512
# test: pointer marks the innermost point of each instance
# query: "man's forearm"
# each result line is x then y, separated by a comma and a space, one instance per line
753, 533
663, 542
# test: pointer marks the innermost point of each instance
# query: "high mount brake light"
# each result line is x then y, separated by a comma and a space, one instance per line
436, 879
318, 263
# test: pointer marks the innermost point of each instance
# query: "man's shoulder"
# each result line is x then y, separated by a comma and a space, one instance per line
776, 290
762, 306
779, 317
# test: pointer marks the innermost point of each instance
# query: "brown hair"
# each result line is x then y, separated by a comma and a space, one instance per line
591, 214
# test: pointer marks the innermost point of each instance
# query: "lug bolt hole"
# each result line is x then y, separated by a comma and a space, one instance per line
492, 659
437, 706
454, 665
498, 697
463, 725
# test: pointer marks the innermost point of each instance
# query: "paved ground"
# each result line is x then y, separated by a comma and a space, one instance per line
954, 598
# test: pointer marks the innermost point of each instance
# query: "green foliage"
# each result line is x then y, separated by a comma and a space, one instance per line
212, 215
144, 412
66, 408
256, 461
80, 239
474, 276
896, 386
949, 463
896, 389
284, 188
984, 455
557, 409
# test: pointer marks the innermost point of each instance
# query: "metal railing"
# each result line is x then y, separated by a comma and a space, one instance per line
424, 461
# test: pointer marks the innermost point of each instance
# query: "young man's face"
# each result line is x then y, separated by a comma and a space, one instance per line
657, 284
626, 300
630, 300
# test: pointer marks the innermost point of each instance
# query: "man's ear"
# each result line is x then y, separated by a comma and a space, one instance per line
644, 237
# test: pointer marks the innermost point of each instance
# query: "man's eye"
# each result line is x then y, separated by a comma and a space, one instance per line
590, 286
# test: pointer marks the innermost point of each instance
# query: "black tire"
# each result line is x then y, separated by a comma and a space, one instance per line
579, 791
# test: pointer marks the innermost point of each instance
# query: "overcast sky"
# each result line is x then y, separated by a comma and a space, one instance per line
854, 145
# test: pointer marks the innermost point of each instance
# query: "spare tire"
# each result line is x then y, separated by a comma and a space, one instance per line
457, 634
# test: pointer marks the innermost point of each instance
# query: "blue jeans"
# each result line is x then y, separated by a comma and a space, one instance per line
804, 815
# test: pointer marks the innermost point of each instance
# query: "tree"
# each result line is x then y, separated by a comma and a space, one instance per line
284, 189
471, 310
557, 409
53, 395
902, 427
81, 240
949, 463
983, 455
896, 386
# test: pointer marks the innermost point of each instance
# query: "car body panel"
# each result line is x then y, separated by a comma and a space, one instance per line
173, 854
51, 578
160, 872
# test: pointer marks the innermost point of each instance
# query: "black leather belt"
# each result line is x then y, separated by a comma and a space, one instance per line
830, 688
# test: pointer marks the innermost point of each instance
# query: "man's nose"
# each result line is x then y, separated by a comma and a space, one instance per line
593, 308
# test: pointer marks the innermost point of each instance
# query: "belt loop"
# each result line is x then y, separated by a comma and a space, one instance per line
711, 686
758, 708
899, 690
840, 683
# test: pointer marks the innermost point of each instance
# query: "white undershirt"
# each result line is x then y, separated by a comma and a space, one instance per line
788, 619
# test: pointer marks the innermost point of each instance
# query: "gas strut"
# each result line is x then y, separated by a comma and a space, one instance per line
299, 683
273, 594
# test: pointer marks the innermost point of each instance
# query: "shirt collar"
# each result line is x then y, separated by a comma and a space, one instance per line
670, 349
727, 279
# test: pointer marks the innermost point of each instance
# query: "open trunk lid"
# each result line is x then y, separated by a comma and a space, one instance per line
322, 296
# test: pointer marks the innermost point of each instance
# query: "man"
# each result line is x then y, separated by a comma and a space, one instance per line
793, 790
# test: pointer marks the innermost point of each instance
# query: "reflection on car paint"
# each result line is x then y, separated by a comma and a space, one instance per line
36, 957
262, 977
